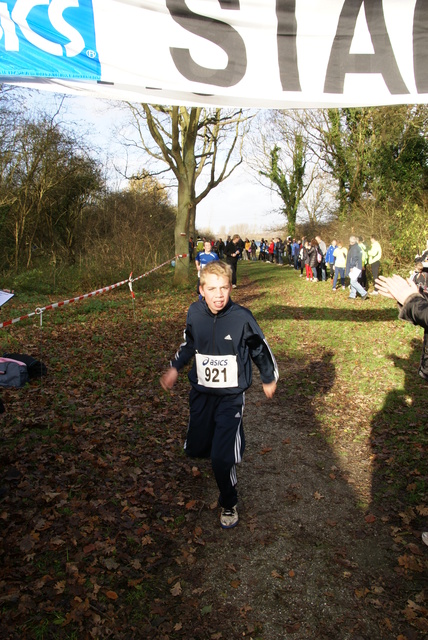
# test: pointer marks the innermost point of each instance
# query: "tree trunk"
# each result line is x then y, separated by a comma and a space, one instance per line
192, 221
291, 226
182, 229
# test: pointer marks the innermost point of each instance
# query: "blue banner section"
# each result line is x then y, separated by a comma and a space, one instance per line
48, 38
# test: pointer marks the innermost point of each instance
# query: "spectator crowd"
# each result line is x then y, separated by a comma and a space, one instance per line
344, 265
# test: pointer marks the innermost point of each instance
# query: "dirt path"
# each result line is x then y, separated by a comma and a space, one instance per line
303, 562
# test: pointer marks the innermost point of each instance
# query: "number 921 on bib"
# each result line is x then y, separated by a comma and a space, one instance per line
217, 372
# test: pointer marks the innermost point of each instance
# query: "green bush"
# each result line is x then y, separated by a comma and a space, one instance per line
32, 281
409, 231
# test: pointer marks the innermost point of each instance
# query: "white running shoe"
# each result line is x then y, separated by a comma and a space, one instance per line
229, 518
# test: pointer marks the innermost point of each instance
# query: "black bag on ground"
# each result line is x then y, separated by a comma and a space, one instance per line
13, 373
35, 368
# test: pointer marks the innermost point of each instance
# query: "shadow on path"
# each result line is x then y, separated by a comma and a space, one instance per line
303, 561
400, 481
359, 312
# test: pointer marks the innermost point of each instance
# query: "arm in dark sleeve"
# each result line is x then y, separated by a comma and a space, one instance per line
260, 353
359, 259
185, 351
230, 249
415, 310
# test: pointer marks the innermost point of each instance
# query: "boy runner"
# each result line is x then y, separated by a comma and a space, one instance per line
223, 337
203, 258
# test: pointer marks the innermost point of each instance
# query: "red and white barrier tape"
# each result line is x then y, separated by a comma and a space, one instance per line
40, 310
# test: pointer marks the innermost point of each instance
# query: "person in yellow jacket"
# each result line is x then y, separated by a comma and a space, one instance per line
340, 255
247, 253
374, 255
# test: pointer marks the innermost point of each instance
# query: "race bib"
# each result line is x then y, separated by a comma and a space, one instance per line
216, 372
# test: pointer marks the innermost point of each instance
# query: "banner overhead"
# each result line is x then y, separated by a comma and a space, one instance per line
246, 53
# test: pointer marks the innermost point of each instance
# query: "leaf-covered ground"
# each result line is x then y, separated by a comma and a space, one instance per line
109, 531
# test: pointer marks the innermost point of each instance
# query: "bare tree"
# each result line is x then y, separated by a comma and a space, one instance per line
46, 179
280, 153
194, 143
318, 202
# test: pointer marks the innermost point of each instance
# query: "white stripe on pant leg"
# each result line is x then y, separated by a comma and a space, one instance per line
233, 476
238, 439
238, 457
238, 442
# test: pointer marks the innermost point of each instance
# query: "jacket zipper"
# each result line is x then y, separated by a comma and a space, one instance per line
213, 336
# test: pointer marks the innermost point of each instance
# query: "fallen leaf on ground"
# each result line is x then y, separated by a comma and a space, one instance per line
265, 450
275, 574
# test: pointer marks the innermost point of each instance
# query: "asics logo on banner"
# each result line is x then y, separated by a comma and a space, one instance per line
20, 17
213, 362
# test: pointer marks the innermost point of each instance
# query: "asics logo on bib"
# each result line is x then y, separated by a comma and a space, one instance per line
213, 362
32, 20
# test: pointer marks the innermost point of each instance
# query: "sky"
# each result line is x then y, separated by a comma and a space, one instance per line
238, 201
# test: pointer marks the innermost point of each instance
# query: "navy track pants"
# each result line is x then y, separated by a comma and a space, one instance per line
215, 431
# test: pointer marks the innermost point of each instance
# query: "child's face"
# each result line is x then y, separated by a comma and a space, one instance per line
216, 291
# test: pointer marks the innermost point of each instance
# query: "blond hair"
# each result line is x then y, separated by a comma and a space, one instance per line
217, 268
